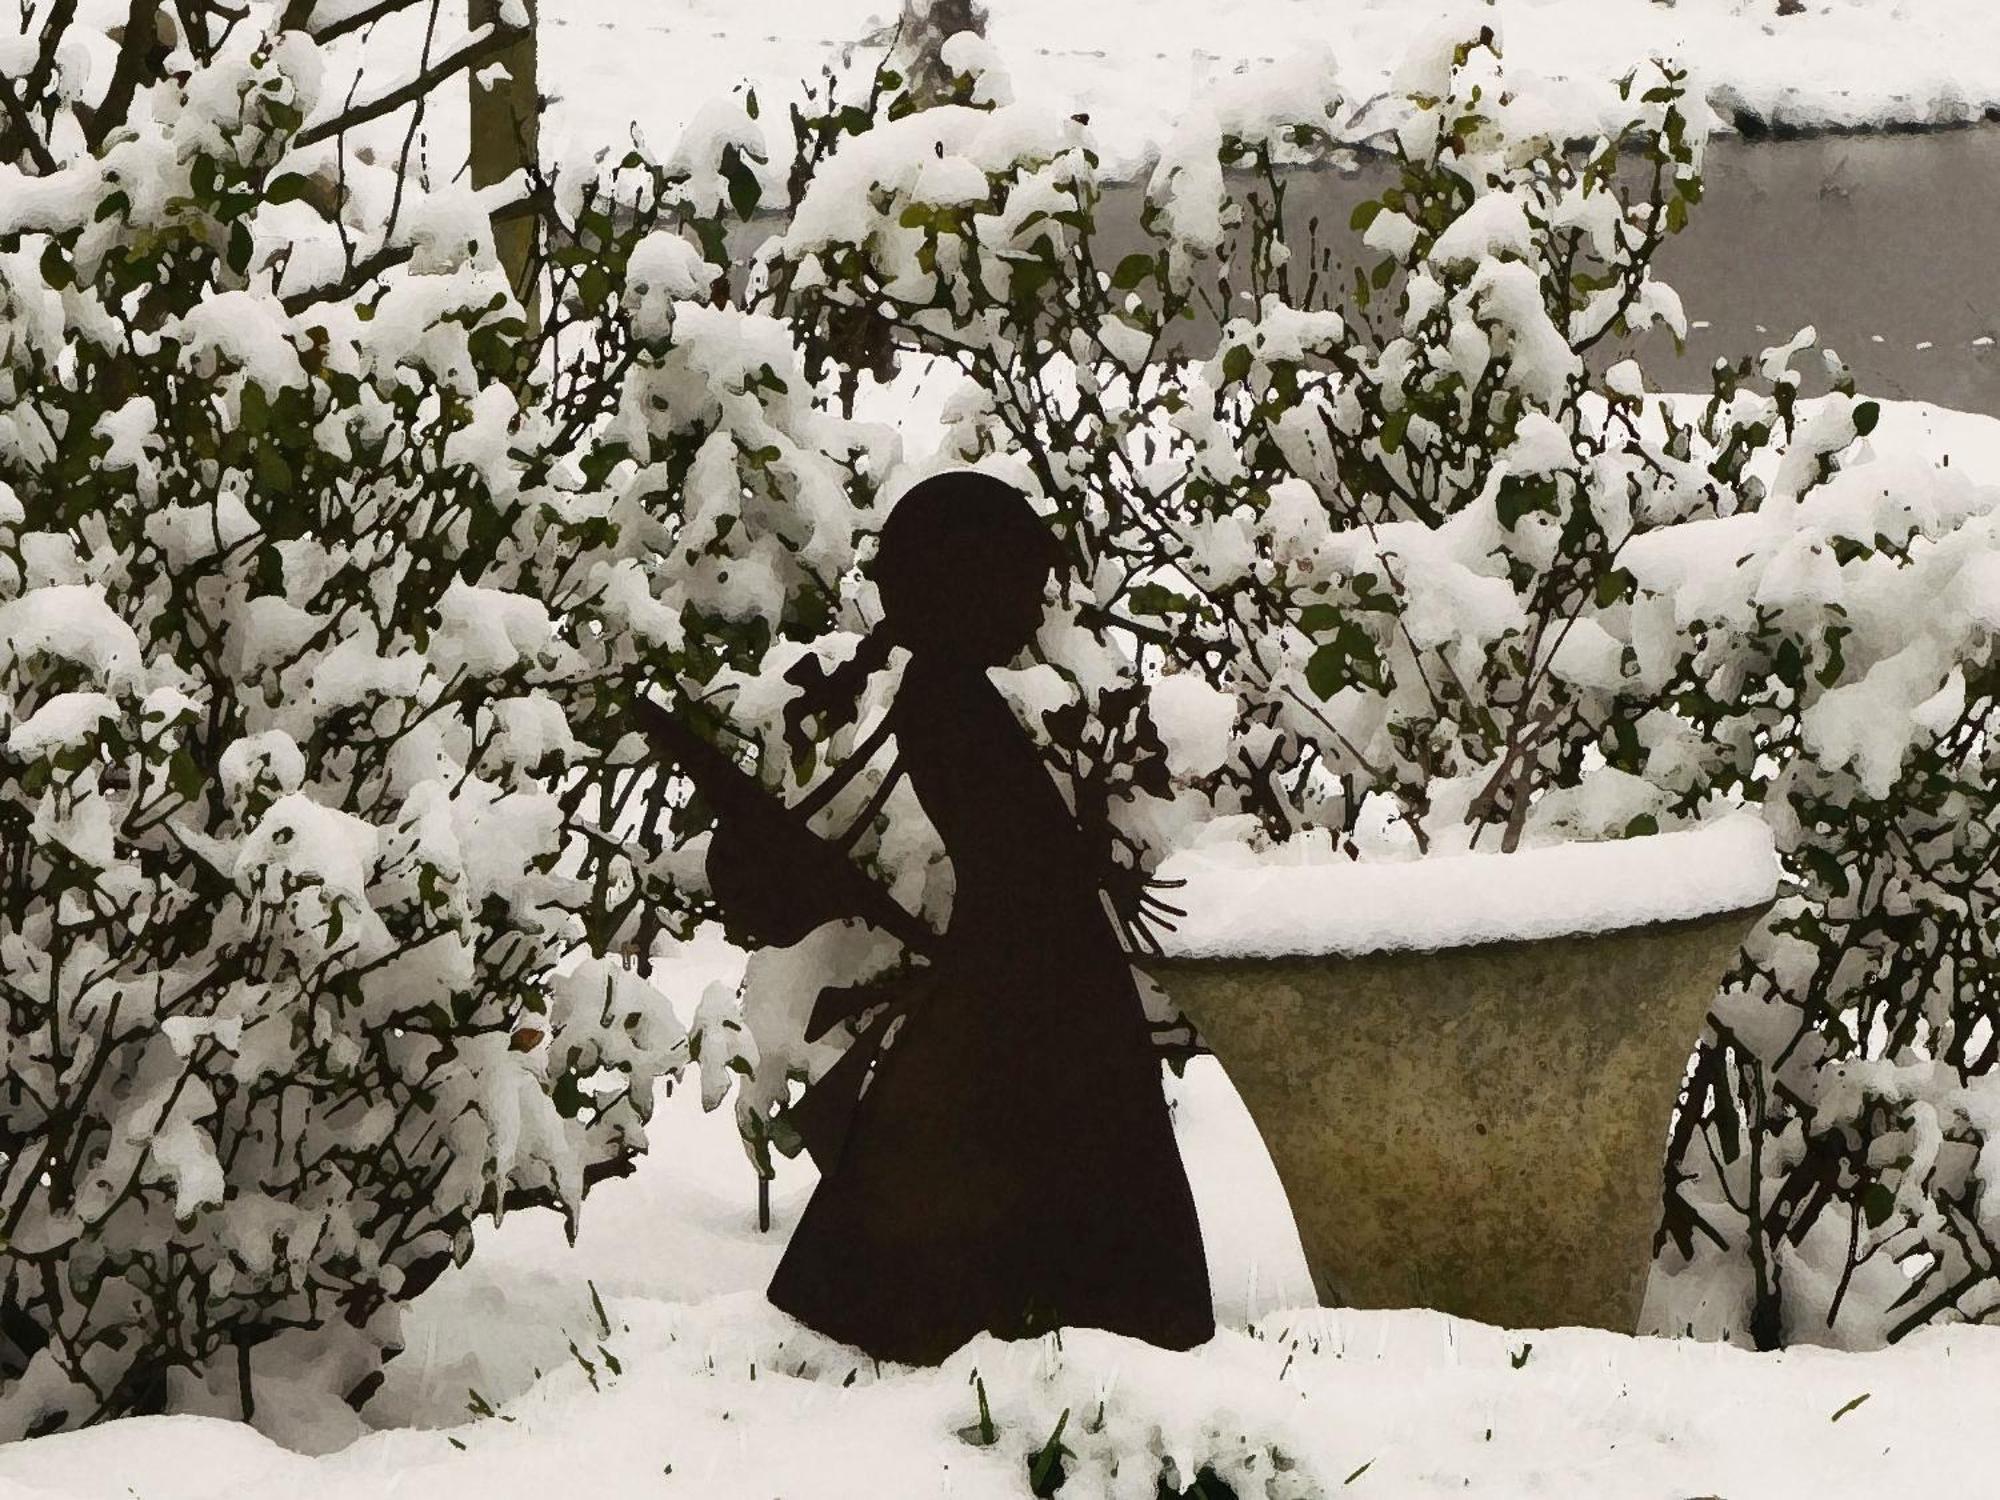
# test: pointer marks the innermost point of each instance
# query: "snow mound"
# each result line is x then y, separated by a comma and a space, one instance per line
1242, 904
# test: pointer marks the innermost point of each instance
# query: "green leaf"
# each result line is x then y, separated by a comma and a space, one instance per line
1866, 415
1370, 595
1026, 280
1877, 1204
1045, 1470
1236, 363
254, 415
1364, 214
567, 1095
1518, 497
1326, 672
1394, 427
1132, 270
241, 247
981, 1434
184, 775
1319, 619
1616, 585
785, 1137
287, 187
1157, 601
273, 473
56, 269
1349, 657
1836, 662
744, 189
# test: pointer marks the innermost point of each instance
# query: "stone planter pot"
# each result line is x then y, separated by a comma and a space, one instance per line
1477, 1125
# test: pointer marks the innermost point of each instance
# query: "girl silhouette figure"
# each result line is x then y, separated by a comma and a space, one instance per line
1009, 1165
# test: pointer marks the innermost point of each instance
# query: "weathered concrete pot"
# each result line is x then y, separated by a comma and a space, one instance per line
1478, 1129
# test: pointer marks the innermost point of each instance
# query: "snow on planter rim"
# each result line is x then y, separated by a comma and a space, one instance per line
1241, 905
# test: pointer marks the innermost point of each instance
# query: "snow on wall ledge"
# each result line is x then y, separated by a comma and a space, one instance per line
1243, 905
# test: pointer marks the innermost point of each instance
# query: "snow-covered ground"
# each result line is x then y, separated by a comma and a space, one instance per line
1133, 65
688, 1383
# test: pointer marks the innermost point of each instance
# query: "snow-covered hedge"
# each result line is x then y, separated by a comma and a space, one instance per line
315, 613
1844, 663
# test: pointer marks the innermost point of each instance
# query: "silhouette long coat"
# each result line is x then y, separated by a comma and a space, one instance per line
1010, 1165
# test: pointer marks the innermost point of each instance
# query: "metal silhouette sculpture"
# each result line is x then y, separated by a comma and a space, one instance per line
995, 1152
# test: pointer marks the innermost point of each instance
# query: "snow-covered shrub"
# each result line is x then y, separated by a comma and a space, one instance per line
1843, 665
312, 620
1380, 519
1352, 552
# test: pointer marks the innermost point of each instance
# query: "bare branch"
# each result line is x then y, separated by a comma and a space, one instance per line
358, 275
22, 126
474, 52
53, 30
138, 44
355, 21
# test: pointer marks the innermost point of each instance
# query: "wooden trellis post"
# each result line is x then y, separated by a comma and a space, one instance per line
506, 135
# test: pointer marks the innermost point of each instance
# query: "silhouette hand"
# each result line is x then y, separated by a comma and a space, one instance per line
1142, 914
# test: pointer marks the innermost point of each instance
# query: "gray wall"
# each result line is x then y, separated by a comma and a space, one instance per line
1889, 237
1885, 243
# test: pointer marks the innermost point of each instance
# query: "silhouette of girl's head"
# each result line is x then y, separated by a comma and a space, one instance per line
960, 569
961, 566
